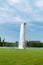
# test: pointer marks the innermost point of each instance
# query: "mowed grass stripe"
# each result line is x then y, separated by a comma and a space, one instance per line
11, 56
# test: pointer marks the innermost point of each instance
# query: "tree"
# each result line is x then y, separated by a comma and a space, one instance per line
16, 44
34, 44
3, 42
0, 39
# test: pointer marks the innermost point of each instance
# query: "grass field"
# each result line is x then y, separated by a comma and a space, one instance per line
11, 56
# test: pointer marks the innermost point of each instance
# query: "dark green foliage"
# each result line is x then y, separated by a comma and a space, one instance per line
34, 44
0, 39
8, 44
16, 43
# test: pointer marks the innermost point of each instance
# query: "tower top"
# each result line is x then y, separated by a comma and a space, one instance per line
24, 23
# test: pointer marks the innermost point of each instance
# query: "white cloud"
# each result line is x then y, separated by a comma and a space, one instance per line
15, 1
39, 3
37, 12
21, 5
37, 18
16, 19
6, 16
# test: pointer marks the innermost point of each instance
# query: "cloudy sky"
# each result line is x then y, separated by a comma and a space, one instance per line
15, 12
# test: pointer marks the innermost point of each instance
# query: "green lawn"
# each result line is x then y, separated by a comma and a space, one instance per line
11, 56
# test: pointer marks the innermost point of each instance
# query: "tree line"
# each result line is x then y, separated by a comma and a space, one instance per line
34, 44
3, 43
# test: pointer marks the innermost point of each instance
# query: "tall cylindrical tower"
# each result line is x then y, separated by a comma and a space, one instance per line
22, 36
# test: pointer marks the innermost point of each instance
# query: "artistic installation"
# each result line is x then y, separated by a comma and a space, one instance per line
22, 36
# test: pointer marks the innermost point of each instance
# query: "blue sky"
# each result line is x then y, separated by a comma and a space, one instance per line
15, 12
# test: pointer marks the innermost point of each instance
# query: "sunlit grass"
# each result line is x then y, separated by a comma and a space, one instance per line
11, 56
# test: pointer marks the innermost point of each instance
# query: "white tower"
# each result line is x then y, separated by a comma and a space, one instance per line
22, 36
